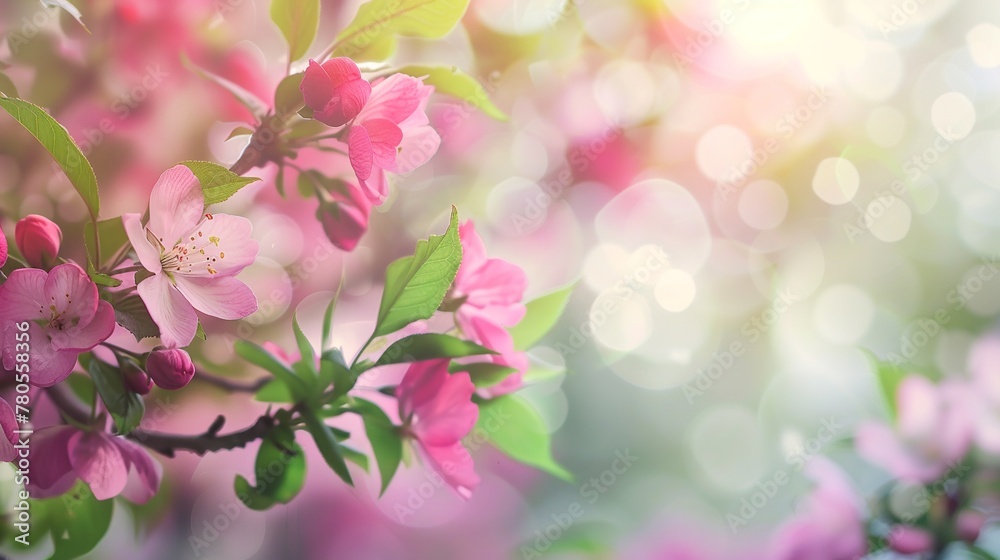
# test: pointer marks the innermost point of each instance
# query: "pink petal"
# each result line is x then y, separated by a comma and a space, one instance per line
51, 473
419, 385
220, 246
175, 205
98, 462
22, 296
919, 407
455, 465
394, 99
71, 292
48, 365
148, 255
359, 149
9, 424
353, 97
3, 248
341, 70
384, 137
225, 297
317, 87
416, 148
169, 310
144, 472
376, 187
473, 248
86, 337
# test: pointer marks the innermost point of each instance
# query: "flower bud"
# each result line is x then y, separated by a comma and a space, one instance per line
968, 524
907, 539
345, 218
334, 90
38, 238
170, 368
136, 380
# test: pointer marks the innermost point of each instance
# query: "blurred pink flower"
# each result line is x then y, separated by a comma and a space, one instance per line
392, 133
907, 539
3, 248
436, 409
490, 291
829, 526
194, 258
933, 431
38, 238
335, 90
9, 423
984, 367
345, 218
65, 315
110, 465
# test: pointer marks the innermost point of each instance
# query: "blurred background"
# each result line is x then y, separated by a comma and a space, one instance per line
748, 192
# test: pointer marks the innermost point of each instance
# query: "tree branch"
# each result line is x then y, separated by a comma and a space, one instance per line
231, 385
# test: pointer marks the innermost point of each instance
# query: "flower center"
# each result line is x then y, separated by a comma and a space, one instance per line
196, 252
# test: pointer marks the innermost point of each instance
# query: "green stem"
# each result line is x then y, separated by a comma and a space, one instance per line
97, 242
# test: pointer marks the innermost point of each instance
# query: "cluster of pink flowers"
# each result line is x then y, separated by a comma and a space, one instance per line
190, 260
388, 132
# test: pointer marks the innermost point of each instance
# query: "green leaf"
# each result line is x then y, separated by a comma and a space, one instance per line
519, 432
280, 471
77, 521
372, 34
131, 313
126, 407
449, 80
334, 371
82, 386
274, 391
288, 96
7, 86
328, 318
111, 233
306, 352
429, 346
199, 333
298, 21
217, 182
484, 374
541, 316
415, 286
387, 444
239, 131
100, 278
355, 456
60, 145
327, 444
69, 8
254, 104
267, 361
888, 376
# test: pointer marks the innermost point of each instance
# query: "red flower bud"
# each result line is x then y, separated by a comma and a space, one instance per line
968, 524
136, 380
170, 369
906, 539
38, 238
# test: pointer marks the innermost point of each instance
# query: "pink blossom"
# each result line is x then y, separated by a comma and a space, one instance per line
110, 465
345, 218
38, 238
933, 431
392, 133
829, 524
437, 410
65, 315
335, 90
193, 257
490, 291
984, 367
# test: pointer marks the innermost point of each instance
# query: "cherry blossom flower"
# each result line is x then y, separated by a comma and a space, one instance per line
437, 411
110, 465
65, 315
984, 366
829, 524
193, 257
489, 292
335, 90
933, 431
392, 133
